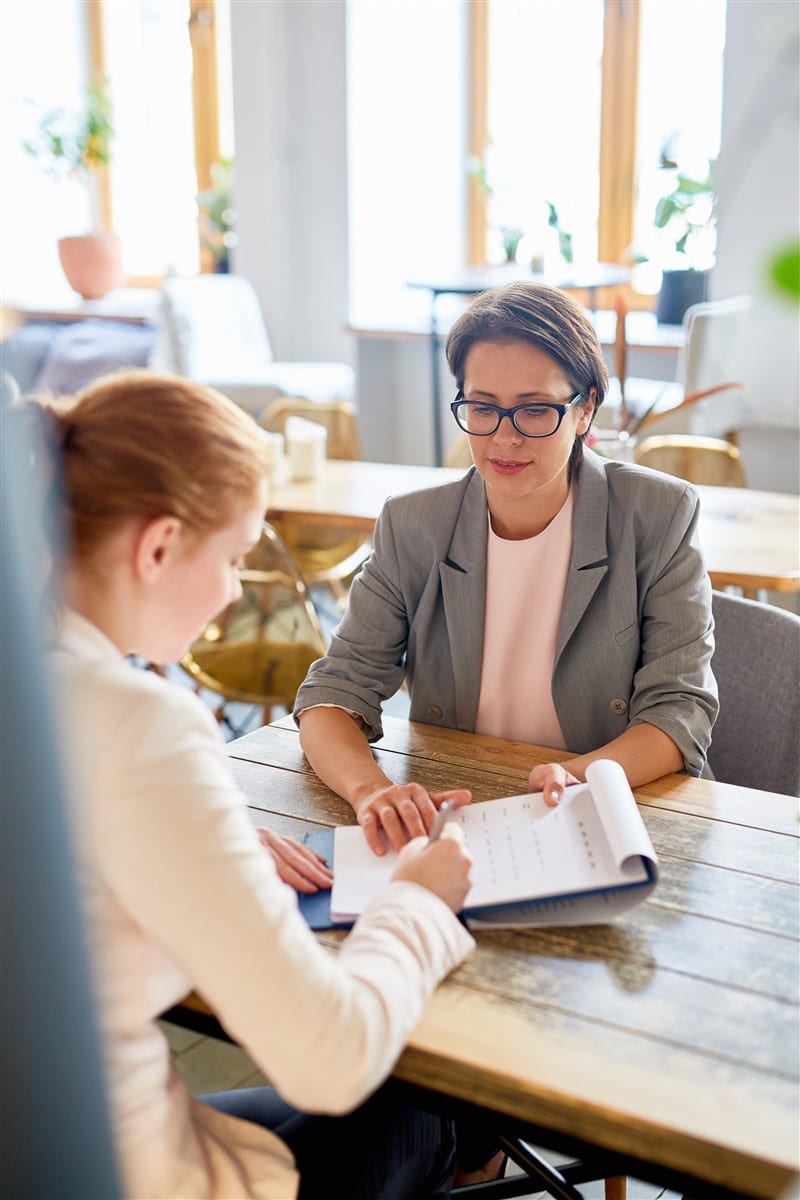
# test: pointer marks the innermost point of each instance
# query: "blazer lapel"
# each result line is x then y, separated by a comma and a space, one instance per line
463, 580
589, 546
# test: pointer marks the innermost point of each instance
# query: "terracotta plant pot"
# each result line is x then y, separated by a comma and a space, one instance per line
92, 264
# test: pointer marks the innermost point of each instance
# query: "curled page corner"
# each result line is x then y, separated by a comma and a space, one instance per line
620, 817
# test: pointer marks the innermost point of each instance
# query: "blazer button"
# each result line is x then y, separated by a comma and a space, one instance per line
618, 707
434, 711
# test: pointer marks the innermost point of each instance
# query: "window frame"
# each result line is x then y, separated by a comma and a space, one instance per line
205, 108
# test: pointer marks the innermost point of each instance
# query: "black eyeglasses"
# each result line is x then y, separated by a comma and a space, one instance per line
531, 420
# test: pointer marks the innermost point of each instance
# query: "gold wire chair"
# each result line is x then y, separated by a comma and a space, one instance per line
459, 454
326, 554
258, 650
697, 459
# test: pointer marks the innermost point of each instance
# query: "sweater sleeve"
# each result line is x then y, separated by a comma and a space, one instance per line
177, 848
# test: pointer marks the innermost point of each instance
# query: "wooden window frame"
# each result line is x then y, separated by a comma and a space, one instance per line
619, 101
205, 106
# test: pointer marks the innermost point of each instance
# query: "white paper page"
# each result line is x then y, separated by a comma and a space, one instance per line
358, 873
522, 849
616, 807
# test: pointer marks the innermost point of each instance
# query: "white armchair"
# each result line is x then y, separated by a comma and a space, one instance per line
706, 397
211, 329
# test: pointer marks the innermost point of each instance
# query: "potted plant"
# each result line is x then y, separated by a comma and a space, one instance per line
218, 216
687, 217
77, 144
512, 234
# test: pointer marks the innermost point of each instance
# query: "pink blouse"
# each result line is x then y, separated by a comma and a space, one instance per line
525, 584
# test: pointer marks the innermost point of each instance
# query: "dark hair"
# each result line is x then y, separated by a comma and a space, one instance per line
545, 317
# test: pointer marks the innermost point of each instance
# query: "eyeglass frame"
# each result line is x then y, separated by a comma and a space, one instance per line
561, 409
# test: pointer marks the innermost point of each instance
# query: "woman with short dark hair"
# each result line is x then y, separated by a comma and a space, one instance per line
551, 595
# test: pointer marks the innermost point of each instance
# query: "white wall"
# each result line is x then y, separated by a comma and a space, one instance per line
291, 171
759, 202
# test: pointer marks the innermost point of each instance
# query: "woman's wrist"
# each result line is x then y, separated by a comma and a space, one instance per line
577, 766
360, 791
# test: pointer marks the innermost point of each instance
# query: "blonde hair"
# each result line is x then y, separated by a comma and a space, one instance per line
140, 444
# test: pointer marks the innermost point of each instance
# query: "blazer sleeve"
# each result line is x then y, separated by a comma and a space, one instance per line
365, 662
182, 858
673, 687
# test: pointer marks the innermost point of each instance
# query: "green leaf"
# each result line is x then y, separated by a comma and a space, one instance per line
665, 209
784, 271
78, 140
693, 187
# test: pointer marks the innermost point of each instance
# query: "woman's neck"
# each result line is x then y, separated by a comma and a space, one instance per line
517, 518
96, 600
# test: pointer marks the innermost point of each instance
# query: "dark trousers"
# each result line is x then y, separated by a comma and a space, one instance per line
384, 1150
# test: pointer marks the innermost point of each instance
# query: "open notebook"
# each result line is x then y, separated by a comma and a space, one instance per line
580, 863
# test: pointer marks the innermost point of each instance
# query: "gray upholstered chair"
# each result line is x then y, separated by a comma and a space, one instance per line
756, 739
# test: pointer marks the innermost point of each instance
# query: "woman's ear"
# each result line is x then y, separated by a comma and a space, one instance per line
587, 412
156, 547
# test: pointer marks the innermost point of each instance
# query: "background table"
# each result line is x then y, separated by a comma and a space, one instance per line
669, 1036
750, 539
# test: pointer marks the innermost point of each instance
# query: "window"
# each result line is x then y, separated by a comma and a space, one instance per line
167, 65
562, 104
581, 99
406, 150
148, 58
685, 120
543, 127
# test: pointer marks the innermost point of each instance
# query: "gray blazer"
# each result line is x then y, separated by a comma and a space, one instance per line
634, 638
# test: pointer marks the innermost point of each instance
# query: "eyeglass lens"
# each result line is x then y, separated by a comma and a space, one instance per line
534, 420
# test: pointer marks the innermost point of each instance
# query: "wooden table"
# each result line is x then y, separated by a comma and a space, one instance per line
751, 539
352, 493
669, 1037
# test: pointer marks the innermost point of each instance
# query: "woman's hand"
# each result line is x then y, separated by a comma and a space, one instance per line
402, 811
442, 866
551, 779
296, 864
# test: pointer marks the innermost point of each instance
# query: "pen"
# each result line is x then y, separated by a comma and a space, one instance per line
448, 809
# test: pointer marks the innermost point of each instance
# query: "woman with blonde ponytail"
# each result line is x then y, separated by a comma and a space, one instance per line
161, 491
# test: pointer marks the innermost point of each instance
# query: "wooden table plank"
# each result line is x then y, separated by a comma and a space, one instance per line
723, 895
568, 1074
